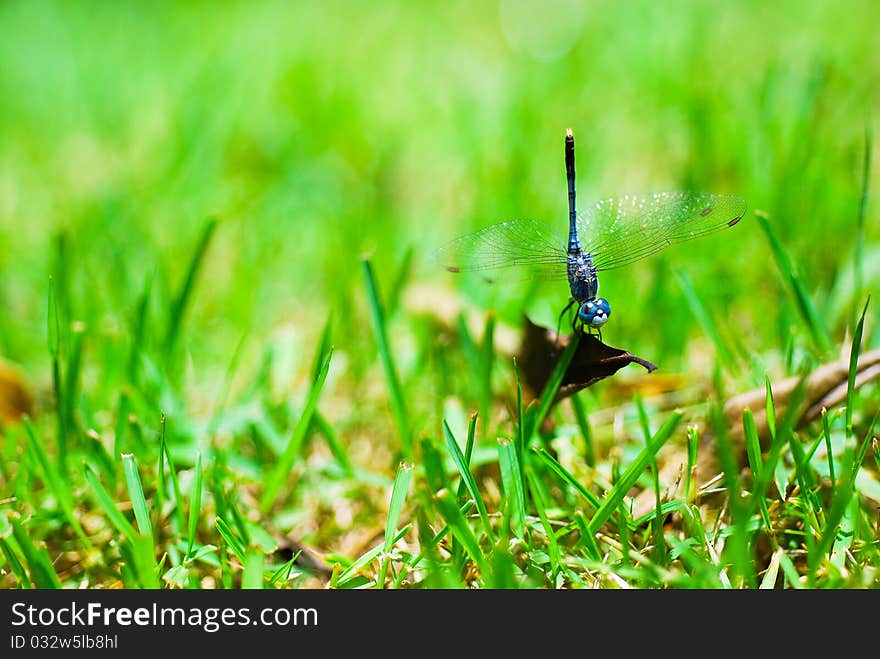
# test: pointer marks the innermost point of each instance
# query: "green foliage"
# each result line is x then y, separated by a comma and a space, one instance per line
218, 227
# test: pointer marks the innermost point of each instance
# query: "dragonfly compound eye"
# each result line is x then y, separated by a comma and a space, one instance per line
595, 312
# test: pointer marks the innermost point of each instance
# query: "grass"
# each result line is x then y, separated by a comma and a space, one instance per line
239, 368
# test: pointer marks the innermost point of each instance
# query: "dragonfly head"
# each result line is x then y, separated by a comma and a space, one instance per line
595, 312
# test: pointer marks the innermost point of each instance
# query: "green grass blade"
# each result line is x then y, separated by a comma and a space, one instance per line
777, 441
826, 433
106, 502
128, 568
805, 480
770, 408
232, 541
586, 432
770, 472
468, 478
172, 472
461, 530
291, 452
395, 390
843, 539
690, 480
657, 520
365, 559
467, 343
404, 270
398, 496
254, 563
395, 507
195, 505
468, 451
470, 439
487, 360
863, 450
136, 492
324, 348
160, 476
756, 463
790, 571
285, 570
241, 524
519, 437
737, 547
667, 508
628, 478
265, 432
139, 330
21, 575
853, 369
226, 382
588, 538
768, 581
833, 516
540, 498
704, 319
61, 276
514, 489
432, 462
333, 443
54, 344
843, 493
96, 453
181, 300
623, 531
55, 481
567, 477
548, 395
859, 257
810, 316
38, 562
753, 444
72, 375
503, 574
122, 410
140, 553
428, 540
53, 324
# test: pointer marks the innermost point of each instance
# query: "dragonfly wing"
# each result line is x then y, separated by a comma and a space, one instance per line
519, 248
623, 230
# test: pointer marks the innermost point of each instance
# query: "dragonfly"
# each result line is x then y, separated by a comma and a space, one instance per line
614, 233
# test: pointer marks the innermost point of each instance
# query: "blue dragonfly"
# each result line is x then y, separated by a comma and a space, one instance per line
612, 234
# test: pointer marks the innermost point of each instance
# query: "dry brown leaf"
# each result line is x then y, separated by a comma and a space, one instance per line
15, 396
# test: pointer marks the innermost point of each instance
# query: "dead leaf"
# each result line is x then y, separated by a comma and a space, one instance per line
593, 360
15, 397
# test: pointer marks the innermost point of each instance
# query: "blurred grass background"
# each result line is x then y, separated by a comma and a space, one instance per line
319, 132
316, 133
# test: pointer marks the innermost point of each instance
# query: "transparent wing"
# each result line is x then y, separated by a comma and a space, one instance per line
522, 249
623, 230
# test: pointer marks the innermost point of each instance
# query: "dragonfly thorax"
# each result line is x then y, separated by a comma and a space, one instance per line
582, 278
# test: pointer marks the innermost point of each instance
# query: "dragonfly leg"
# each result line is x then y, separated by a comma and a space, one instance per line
588, 329
559, 322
